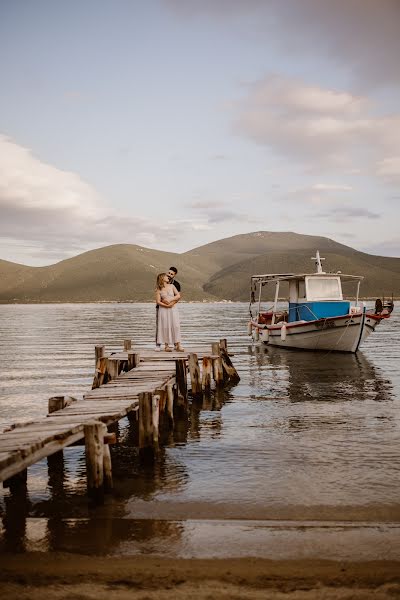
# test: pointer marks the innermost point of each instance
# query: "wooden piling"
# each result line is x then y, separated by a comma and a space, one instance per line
228, 367
218, 372
170, 404
194, 370
181, 383
100, 375
107, 468
17, 484
113, 368
98, 352
206, 375
127, 345
155, 417
94, 445
223, 344
146, 425
133, 359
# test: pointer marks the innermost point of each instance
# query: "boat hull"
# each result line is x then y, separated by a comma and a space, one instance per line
339, 334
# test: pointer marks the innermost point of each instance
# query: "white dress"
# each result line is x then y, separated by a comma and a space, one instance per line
168, 325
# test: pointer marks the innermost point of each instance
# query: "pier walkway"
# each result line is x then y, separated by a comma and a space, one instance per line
146, 386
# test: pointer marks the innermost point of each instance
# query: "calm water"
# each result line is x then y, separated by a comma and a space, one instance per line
304, 437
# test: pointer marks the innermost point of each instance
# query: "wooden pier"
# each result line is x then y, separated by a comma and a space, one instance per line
148, 387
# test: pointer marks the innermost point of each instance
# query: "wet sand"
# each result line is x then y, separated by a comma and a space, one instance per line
59, 576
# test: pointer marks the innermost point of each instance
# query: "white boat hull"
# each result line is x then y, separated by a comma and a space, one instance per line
340, 334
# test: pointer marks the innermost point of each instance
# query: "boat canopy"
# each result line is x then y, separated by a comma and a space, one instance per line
301, 277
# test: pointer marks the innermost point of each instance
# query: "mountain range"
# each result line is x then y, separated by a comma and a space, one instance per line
220, 270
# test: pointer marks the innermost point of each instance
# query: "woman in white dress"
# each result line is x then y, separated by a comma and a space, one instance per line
168, 325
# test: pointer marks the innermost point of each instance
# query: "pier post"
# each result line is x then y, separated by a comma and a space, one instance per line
98, 353
170, 404
127, 345
133, 359
148, 422
100, 372
155, 417
228, 367
223, 344
206, 375
113, 368
218, 372
94, 446
181, 382
107, 468
194, 370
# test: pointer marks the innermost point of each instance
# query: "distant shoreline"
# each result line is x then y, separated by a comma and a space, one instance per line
39, 302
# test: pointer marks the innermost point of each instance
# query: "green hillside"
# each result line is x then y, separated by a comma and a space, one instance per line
216, 271
122, 273
380, 279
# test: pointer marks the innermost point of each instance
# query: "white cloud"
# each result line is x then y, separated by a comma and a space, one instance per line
331, 187
318, 128
50, 214
28, 184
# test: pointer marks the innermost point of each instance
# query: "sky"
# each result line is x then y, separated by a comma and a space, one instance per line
174, 123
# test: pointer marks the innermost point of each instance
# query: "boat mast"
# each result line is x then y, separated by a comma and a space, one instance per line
358, 292
259, 297
318, 264
275, 302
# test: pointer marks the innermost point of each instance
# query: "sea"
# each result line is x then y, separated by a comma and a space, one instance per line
300, 459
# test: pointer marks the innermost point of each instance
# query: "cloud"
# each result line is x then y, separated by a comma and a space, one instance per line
389, 169
331, 187
54, 214
362, 37
317, 194
342, 214
218, 212
319, 128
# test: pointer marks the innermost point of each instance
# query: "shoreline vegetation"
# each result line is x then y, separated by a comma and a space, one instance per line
63, 576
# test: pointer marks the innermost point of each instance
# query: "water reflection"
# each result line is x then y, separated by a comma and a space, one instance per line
313, 376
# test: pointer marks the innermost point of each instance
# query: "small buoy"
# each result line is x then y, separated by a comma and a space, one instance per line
256, 334
265, 335
249, 328
283, 332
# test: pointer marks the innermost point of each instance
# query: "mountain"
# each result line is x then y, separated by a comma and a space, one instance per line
381, 278
215, 271
122, 272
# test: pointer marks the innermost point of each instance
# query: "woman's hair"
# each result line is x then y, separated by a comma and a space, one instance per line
160, 281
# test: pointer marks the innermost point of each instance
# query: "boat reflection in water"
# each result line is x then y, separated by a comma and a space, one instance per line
316, 376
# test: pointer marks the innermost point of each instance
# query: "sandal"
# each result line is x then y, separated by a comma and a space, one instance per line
168, 349
180, 349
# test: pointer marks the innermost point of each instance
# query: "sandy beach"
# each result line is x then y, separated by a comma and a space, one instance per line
64, 576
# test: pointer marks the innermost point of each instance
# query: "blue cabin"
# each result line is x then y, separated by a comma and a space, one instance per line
316, 296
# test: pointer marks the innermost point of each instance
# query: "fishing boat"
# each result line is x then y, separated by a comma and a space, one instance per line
317, 316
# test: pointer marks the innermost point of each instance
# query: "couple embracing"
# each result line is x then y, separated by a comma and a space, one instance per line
168, 329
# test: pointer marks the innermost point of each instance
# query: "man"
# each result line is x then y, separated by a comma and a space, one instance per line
171, 274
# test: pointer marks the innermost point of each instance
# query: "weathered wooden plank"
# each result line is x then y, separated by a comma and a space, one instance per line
21, 460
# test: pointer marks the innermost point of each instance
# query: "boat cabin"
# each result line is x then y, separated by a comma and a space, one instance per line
316, 297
